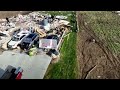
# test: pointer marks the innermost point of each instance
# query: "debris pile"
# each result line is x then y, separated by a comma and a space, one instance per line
42, 31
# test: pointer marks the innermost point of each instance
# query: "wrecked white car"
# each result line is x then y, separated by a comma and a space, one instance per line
17, 39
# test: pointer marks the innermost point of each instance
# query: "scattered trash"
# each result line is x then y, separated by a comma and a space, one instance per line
7, 19
99, 76
2, 34
45, 32
63, 22
93, 40
61, 17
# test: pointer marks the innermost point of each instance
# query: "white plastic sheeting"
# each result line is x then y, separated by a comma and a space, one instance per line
48, 43
61, 17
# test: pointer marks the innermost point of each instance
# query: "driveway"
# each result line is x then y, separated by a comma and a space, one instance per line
34, 66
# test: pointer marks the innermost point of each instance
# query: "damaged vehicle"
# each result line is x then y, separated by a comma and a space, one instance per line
29, 41
17, 39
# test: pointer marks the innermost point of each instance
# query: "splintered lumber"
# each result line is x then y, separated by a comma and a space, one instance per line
40, 32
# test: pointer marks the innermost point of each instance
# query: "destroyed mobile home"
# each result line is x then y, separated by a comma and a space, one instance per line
33, 33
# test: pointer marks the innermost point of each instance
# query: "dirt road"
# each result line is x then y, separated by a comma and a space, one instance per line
95, 60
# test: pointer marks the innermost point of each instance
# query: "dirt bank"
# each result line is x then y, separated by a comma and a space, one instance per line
95, 60
4, 14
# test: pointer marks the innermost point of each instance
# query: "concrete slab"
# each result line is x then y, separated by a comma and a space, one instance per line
34, 67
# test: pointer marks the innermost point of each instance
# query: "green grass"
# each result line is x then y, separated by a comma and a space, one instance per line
106, 26
67, 67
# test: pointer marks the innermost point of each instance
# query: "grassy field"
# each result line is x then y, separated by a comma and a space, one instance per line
66, 68
106, 26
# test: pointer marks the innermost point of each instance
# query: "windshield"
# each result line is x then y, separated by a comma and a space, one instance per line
15, 39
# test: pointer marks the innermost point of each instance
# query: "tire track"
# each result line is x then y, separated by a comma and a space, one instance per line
115, 62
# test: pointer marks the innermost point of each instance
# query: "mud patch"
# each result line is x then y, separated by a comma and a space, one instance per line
95, 60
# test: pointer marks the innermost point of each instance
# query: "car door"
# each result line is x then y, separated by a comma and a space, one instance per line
21, 39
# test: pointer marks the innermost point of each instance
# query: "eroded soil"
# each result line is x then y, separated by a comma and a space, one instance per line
95, 59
